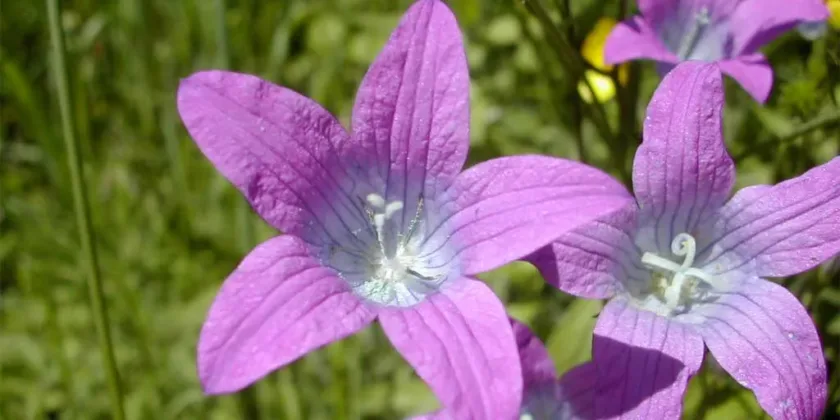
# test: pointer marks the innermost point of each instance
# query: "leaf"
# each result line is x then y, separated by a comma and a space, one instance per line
570, 344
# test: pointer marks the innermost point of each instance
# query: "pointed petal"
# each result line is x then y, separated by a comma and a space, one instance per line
782, 230
753, 73
279, 304
461, 343
537, 366
765, 339
412, 109
592, 261
643, 363
509, 207
682, 173
283, 151
757, 22
634, 39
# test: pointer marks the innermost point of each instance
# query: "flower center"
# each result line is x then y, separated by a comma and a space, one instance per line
394, 268
678, 286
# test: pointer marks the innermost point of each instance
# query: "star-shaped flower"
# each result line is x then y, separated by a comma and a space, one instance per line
380, 223
728, 32
685, 266
544, 396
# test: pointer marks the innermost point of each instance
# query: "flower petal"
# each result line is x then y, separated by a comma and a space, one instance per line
509, 207
537, 366
279, 304
594, 260
576, 392
682, 173
634, 39
753, 73
412, 109
757, 22
461, 343
643, 362
655, 10
765, 339
282, 150
782, 230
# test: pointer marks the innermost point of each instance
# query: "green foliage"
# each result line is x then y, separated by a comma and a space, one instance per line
166, 223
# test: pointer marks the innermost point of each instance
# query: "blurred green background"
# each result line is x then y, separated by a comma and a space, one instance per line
169, 228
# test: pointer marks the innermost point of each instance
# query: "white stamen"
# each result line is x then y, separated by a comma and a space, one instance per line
654, 260
379, 224
390, 266
673, 292
392, 208
376, 201
683, 245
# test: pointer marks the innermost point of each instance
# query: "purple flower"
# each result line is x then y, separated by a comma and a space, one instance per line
729, 32
544, 397
684, 267
380, 222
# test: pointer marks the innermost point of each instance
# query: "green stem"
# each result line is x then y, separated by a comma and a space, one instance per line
566, 18
574, 65
82, 210
629, 135
555, 97
627, 96
576, 111
221, 33
808, 127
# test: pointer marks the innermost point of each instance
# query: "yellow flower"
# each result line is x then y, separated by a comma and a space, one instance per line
592, 51
834, 13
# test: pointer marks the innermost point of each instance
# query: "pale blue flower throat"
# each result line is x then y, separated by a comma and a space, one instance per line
390, 267
689, 41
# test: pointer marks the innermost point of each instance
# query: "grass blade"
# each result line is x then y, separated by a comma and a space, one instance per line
82, 210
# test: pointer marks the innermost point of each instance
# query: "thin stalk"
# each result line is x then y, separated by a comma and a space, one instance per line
628, 131
811, 126
82, 210
808, 127
574, 65
566, 16
221, 33
243, 211
577, 130
287, 385
577, 112
627, 99
554, 95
